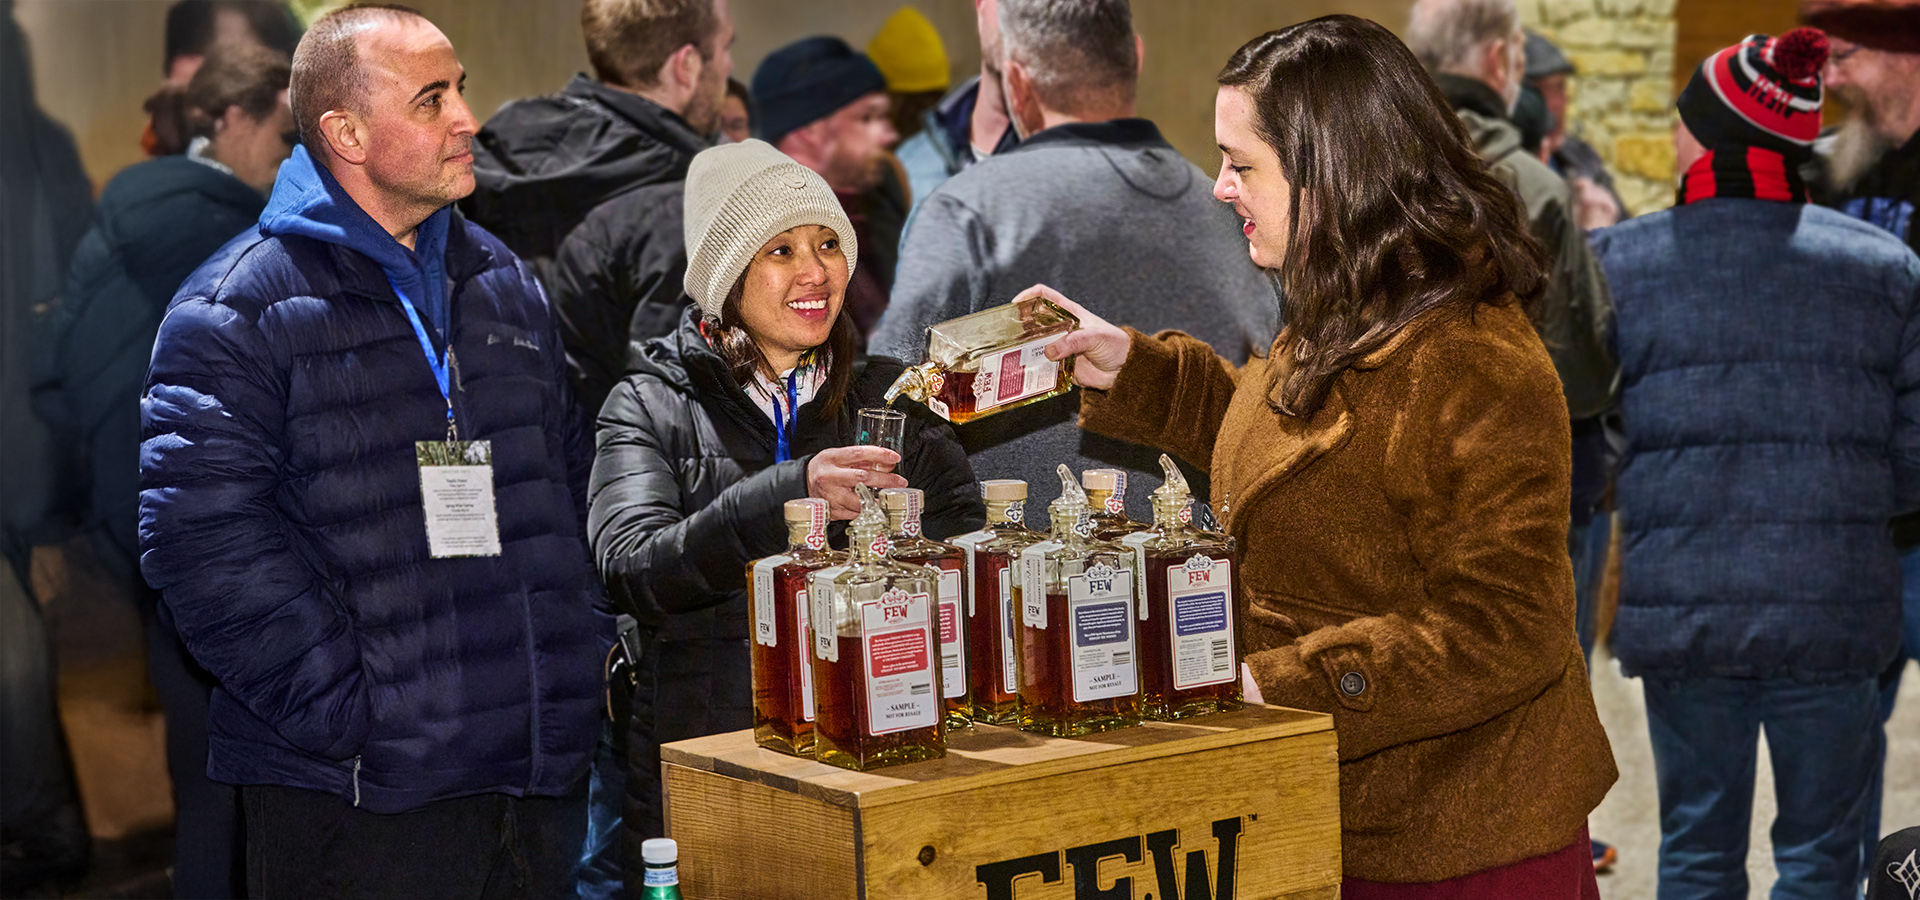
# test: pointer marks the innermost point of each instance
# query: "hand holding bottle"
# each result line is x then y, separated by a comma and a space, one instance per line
1101, 346
832, 475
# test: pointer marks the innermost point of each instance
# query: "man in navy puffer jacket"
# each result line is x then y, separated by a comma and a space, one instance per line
1771, 355
401, 721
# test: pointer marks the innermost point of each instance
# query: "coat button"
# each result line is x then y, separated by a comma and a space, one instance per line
1353, 684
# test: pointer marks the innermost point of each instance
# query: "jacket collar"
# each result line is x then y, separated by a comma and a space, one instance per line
1139, 133
1472, 95
650, 118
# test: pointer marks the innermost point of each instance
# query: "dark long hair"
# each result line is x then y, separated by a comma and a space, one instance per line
743, 357
1393, 216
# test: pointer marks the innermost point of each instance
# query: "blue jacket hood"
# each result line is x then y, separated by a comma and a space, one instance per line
309, 203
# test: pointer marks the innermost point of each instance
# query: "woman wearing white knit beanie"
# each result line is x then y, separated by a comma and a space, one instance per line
750, 404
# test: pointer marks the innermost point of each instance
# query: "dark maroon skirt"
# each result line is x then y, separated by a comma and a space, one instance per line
1565, 874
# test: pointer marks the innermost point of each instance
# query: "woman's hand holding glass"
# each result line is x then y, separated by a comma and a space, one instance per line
832, 475
1101, 346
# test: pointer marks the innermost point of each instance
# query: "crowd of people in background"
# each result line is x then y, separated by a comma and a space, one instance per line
1408, 331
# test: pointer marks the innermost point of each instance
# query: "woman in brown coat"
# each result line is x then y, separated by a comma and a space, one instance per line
1396, 472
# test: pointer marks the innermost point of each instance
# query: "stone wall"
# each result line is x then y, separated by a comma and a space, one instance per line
1621, 97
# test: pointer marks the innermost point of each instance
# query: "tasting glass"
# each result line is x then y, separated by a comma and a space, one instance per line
882, 427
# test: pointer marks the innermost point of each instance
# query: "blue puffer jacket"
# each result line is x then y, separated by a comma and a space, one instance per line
281, 517
1771, 362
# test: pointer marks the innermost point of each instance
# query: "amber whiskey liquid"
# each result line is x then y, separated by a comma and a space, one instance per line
951, 622
782, 678
965, 395
878, 702
993, 675
990, 361
1189, 656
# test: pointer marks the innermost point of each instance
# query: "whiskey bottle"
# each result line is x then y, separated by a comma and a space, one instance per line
991, 361
910, 545
782, 648
1078, 669
876, 654
1107, 503
992, 662
1189, 657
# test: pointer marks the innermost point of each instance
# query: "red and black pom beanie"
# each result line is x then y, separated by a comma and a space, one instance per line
1762, 92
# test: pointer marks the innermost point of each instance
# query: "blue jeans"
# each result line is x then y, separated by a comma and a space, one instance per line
1823, 740
598, 875
1587, 546
1890, 688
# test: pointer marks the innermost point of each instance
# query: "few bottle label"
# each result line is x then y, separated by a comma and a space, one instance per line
968, 542
763, 628
1014, 374
826, 635
1100, 612
806, 666
1009, 654
896, 633
1033, 583
1200, 610
1138, 541
953, 652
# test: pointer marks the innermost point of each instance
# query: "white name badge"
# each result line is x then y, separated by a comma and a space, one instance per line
456, 487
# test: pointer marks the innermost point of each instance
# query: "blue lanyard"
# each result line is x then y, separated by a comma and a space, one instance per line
436, 362
782, 443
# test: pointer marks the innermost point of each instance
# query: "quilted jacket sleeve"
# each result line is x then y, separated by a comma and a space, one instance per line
228, 564
656, 556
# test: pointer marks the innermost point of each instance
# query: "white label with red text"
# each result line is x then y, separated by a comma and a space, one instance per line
1200, 622
1015, 374
953, 643
896, 637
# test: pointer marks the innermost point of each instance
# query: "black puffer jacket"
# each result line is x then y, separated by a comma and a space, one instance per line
685, 492
542, 166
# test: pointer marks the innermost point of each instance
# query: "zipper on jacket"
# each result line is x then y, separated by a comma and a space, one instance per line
356, 781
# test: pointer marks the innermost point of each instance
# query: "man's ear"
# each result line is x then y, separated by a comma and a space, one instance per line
1023, 105
681, 74
345, 136
1139, 54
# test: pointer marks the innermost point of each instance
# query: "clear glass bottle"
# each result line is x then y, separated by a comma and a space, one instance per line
990, 361
1190, 596
1079, 673
1107, 503
910, 545
876, 654
782, 647
993, 663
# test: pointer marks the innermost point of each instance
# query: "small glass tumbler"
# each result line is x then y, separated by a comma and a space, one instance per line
882, 427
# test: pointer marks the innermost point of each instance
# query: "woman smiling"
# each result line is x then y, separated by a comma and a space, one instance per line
750, 404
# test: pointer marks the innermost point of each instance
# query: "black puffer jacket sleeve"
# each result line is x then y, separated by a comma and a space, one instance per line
655, 555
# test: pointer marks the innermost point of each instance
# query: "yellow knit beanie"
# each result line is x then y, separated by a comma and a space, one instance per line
909, 52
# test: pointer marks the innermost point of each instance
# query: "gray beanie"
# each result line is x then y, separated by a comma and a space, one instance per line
738, 197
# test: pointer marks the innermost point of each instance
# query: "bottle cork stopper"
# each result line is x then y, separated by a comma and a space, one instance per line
1102, 479
802, 511
1003, 489
900, 498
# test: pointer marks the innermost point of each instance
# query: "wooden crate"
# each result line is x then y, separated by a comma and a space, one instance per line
1235, 806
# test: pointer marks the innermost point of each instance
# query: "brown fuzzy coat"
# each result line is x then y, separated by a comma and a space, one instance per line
1413, 531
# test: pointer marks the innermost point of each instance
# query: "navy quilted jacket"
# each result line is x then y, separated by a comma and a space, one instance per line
1771, 357
281, 517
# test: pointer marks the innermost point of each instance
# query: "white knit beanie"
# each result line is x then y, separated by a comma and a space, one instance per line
738, 197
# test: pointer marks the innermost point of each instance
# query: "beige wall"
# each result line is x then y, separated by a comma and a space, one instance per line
95, 61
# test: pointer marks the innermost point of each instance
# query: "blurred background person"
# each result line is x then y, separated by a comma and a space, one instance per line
1771, 352
1093, 202
1562, 148
825, 104
193, 28
751, 403
911, 55
43, 833
1869, 168
157, 222
544, 165
967, 125
736, 112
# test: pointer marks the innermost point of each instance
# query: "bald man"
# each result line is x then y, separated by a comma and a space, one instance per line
362, 496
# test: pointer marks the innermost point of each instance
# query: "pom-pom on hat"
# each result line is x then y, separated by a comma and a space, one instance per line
738, 197
1762, 92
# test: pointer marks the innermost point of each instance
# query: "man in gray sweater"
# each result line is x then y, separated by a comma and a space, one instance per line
1093, 202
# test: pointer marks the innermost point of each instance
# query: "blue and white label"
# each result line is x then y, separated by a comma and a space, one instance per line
661, 876
1100, 613
1200, 607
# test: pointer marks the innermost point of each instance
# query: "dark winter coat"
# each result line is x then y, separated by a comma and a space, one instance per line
1771, 354
282, 519
686, 493
542, 167
157, 222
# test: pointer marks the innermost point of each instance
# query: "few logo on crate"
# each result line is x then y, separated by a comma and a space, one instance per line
1172, 879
